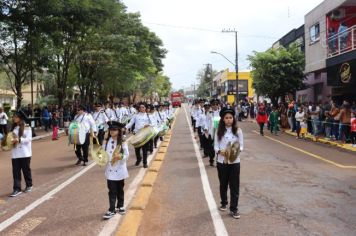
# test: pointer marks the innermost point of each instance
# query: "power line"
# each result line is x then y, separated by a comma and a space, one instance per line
208, 30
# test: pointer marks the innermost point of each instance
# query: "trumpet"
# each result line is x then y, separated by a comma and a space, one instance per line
231, 152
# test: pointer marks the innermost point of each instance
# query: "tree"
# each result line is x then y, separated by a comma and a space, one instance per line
205, 77
277, 72
18, 42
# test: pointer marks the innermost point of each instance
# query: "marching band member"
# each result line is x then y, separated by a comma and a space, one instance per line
153, 122
195, 113
116, 112
89, 124
116, 170
162, 117
100, 119
203, 128
21, 153
229, 174
198, 124
140, 120
123, 110
108, 111
209, 131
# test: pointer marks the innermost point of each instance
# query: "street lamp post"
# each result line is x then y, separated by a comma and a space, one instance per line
236, 64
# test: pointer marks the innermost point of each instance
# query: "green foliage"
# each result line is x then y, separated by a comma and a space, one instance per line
95, 45
277, 72
205, 77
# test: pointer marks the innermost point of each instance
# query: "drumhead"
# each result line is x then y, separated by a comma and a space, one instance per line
81, 133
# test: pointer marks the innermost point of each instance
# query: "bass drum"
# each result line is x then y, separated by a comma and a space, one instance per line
143, 136
77, 133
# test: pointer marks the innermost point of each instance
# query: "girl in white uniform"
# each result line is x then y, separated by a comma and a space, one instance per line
116, 170
229, 173
21, 154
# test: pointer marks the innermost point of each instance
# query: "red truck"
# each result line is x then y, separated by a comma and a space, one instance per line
176, 99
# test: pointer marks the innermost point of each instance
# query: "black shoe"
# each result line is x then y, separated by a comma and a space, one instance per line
137, 163
235, 214
121, 210
223, 208
145, 166
155, 146
15, 193
78, 162
28, 189
109, 214
84, 163
212, 164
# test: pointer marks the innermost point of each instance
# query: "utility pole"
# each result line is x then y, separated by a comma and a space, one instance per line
236, 62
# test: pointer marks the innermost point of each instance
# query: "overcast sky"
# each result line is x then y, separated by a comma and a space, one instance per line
191, 29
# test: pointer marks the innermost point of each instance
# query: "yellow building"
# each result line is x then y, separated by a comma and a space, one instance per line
228, 86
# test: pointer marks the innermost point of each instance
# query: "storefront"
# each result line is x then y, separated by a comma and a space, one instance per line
342, 78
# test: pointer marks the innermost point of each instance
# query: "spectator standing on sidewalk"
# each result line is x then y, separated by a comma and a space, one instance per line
55, 126
299, 117
291, 116
38, 114
353, 128
3, 122
335, 115
345, 119
315, 116
46, 118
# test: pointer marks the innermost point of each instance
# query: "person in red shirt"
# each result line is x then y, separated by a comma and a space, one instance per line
262, 117
353, 128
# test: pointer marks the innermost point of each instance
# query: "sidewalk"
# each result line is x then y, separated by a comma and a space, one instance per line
312, 138
324, 141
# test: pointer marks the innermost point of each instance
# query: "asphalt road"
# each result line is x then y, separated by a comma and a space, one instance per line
287, 186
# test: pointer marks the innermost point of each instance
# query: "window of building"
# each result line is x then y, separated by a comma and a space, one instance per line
314, 33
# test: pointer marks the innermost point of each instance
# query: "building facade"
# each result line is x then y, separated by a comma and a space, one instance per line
224, 86
330, 33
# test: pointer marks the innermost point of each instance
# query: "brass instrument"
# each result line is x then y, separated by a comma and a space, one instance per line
98, 153
117, 155
231, 152
7, 143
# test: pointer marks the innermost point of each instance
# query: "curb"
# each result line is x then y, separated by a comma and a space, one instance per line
132, 220
327, 142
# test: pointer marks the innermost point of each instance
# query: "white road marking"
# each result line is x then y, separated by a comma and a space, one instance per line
44, 198
111, 226
219, 225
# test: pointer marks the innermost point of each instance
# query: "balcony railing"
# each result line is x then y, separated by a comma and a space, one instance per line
342, 42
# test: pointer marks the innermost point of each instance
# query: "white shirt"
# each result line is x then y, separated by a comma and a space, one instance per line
154, 119
299, 116
123, 111
140, 120
210, 121
3, 118
100, 118
119, 170
162, 117
228, 137
88, 122
109, 113
23, 149
195, 112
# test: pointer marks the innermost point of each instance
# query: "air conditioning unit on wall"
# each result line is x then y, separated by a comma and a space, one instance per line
338, 14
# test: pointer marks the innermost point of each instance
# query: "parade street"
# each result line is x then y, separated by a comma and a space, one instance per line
287, 186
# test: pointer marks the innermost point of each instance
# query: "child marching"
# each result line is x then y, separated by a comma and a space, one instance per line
228, 171
116, 170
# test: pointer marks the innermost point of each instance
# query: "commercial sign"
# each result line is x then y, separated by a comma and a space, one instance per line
343, 74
